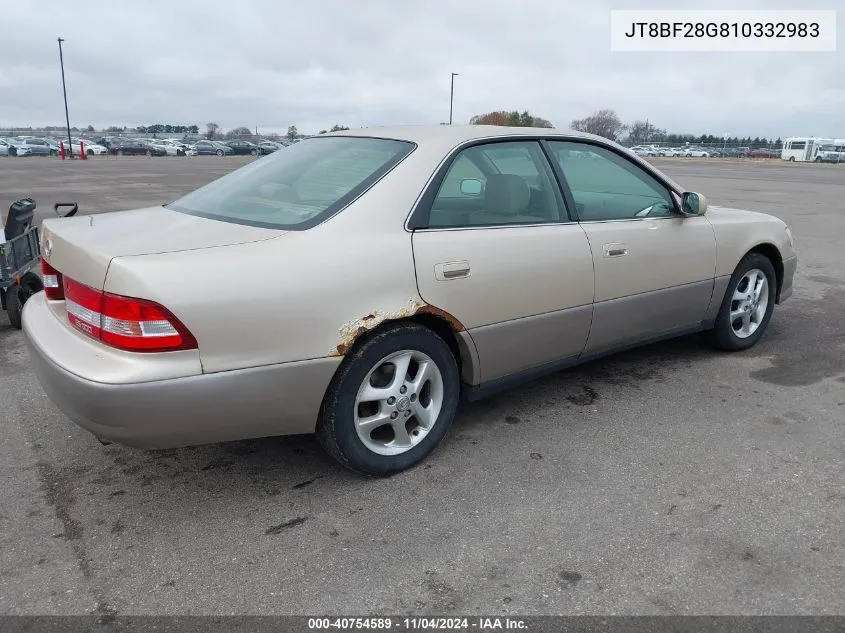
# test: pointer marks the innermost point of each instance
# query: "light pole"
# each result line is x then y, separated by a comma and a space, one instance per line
64, 91
452, 97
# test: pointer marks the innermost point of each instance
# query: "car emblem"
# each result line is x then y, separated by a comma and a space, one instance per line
404, 403
48, 248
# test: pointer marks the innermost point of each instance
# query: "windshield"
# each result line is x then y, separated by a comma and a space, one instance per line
298, 188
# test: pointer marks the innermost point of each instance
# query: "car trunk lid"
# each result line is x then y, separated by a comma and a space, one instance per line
82, 247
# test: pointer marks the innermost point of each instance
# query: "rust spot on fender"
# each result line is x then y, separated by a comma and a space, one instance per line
350, 331
429, 309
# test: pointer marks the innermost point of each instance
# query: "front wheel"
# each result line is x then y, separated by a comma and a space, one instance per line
792, 159
391, 402
747, 306
220, 152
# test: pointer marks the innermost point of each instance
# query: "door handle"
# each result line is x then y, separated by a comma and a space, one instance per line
615, 250
451, 270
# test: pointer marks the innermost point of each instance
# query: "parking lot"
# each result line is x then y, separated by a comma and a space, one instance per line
667, 480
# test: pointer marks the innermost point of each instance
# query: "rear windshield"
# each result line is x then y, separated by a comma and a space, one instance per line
298, 186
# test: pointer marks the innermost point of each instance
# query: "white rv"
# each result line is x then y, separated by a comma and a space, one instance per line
803, 148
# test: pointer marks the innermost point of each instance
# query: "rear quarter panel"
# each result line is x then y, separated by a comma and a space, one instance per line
282, 300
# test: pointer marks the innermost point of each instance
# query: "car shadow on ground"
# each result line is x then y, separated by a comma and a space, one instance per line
266, 466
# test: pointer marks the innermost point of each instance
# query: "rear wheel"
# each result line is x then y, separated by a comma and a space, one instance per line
149, 153
391, 402
220, 152
747, 306
90, 152
17, 296
254, 152
120, 152
792, 159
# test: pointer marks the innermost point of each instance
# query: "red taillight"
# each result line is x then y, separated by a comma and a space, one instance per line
135, 325
52, 281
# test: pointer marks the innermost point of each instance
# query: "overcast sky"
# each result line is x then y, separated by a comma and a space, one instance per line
314, 63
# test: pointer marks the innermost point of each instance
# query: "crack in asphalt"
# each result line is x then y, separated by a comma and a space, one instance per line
59, 495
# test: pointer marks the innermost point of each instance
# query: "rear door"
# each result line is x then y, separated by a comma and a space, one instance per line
494, 247
654, 268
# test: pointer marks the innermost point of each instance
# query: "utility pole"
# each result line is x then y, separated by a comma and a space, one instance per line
64, 91
452, 97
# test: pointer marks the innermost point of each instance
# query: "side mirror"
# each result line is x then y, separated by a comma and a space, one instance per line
471, 187
693, 204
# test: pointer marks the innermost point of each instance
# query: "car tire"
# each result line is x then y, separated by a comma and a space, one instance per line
724, 334
149, 153
792, 159
254, 152
53, 152
375, 453
18, 294
13, 151
90, 152
119, 152
220, 152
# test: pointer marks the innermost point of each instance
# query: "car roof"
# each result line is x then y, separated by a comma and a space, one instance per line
458, 133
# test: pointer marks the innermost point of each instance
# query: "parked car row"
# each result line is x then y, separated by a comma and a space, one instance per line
705, 152
47, 146
123, 146
653, 150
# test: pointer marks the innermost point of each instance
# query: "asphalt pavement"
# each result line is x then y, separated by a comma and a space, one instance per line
671, 479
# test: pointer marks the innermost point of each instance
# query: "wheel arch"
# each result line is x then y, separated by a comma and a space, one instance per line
446, 326
773, 254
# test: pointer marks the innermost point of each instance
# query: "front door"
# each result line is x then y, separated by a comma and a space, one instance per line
654, 268
497, 250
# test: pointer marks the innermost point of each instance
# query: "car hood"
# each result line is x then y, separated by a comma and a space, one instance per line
82, 247
726, 215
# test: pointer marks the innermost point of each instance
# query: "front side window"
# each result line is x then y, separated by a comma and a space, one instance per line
607, 186
299, 188
497, 183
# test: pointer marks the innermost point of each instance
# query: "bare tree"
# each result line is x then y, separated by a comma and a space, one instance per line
211, 130
239, 132
293, 133
604, 123
644, 132
510, 119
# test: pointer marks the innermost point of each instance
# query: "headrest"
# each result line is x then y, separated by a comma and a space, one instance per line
506, 194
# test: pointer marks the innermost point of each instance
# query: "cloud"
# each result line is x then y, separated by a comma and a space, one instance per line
271, 63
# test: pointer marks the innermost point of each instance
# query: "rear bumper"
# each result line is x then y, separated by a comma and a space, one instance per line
789, 267
185, 411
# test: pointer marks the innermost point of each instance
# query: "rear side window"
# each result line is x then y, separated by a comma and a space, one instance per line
298, 188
